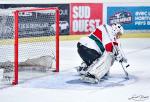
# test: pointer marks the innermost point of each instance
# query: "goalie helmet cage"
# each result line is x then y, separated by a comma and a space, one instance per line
43, 25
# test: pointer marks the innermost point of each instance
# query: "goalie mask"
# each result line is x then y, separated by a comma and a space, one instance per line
117, 28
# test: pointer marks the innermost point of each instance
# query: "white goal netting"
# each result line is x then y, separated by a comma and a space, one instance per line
28, 43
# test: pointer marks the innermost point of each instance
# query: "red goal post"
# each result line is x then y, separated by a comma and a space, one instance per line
35, 39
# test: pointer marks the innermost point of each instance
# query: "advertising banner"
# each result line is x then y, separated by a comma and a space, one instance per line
85, 17
132, 18
64, 17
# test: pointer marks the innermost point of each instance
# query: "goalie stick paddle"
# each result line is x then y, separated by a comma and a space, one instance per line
126, 73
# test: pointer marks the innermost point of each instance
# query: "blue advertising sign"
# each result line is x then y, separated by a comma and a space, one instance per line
132, 18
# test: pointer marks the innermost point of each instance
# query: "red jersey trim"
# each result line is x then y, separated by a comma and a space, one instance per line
98, 34
109, 46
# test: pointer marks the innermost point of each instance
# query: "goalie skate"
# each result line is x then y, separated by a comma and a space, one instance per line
89, 79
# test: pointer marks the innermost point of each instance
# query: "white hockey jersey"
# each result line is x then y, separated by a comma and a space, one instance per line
100, 40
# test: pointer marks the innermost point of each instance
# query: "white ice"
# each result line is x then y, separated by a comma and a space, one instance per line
65, 86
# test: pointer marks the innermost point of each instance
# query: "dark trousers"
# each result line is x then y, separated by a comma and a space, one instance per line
88, 55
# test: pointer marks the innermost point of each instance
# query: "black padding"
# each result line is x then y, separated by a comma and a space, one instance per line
88, 55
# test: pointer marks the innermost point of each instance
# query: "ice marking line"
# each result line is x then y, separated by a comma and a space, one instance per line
138, 50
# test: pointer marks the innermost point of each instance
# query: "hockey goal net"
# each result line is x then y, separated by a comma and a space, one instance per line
29, 43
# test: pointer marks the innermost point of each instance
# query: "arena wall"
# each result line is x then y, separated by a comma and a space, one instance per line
142, 28
71, 1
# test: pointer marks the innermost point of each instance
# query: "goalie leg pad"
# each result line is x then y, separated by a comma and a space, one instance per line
101, 66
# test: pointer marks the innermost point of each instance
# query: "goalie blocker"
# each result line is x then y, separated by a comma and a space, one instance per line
100, 48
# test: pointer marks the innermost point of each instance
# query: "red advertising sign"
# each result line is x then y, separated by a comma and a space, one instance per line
85, 17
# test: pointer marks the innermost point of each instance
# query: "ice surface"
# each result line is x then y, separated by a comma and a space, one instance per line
65, 86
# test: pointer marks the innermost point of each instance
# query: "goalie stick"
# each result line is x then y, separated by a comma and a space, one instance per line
122, 54
127, 65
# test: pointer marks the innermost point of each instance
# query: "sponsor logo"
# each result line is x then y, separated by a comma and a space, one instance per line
83, 22
85, 18
121, 17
